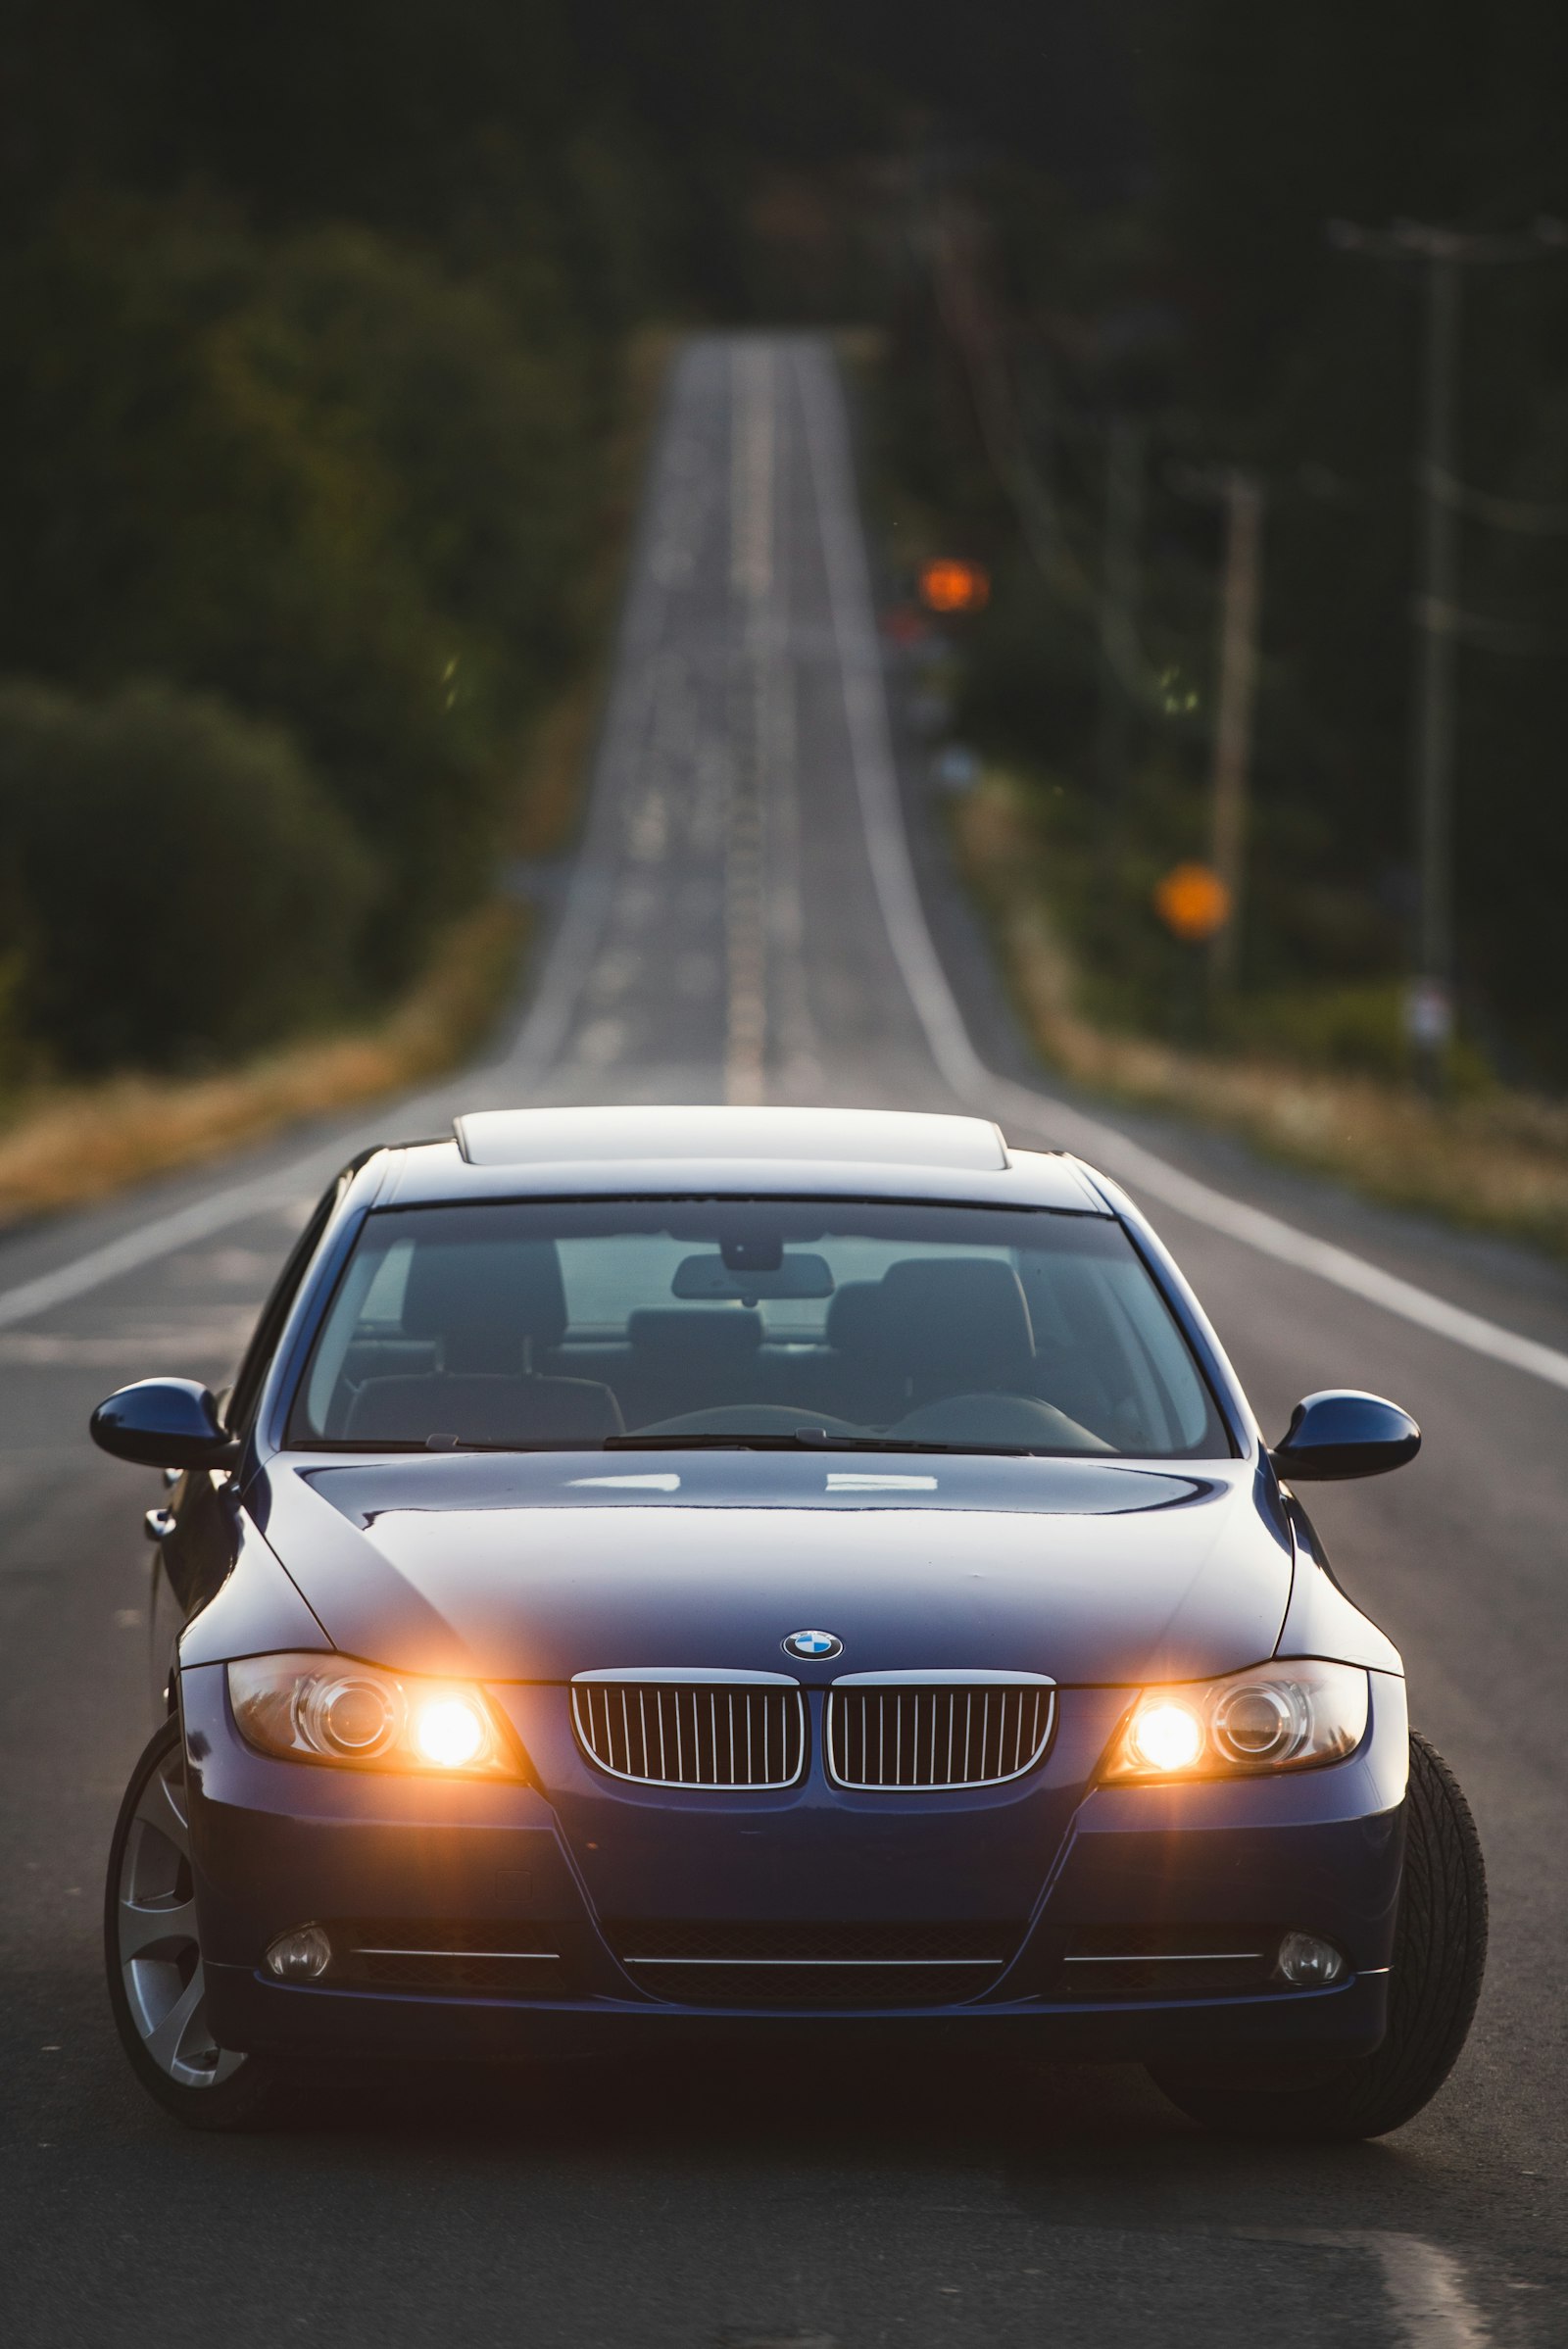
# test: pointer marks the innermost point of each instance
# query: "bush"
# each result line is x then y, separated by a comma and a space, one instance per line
175, 884
318, 476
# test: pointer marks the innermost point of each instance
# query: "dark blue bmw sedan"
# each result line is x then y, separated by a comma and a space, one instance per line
669, 1575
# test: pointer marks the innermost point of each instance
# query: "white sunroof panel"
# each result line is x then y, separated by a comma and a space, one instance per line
859, 1137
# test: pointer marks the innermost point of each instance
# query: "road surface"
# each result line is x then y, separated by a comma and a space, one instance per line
744, 923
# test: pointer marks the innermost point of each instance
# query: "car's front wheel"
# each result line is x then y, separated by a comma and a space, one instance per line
1439, 1948
152, 1953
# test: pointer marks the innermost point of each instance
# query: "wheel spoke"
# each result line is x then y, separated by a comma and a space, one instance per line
145, 1926
163, 1808
166, 2044
157, 1939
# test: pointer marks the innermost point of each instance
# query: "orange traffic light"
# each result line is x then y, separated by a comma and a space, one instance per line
1192, 903
949, 585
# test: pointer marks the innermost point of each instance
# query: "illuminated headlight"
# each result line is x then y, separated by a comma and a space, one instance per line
330, 1709
1286, 1716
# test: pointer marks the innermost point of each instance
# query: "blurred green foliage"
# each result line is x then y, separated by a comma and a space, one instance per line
329, 479
175, 886
318, 476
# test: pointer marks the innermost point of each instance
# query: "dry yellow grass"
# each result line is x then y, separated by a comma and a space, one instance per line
1498, 1160
68, 1144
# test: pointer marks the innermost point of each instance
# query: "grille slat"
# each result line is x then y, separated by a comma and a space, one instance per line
935, 1734
670, 1731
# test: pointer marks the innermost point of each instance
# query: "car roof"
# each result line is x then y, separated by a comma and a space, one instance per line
668, 1151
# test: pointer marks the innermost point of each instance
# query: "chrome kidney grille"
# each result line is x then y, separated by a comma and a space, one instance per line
889, 1732
667, 1728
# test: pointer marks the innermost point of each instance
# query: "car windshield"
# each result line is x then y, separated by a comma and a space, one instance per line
542, 1326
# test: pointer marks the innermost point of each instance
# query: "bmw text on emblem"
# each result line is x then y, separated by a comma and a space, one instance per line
814, 1647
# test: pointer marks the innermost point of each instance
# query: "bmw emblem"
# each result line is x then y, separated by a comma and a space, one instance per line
814, 1646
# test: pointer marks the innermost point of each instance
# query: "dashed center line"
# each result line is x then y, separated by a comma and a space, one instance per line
751, 482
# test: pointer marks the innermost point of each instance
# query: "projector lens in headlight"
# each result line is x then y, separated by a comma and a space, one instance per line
1282, 1716
1260, 1721
312, 1708
354, 1717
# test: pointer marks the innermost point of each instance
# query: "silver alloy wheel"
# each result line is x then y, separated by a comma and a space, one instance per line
160, 1956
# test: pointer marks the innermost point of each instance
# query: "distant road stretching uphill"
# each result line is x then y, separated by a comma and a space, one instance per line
759, 912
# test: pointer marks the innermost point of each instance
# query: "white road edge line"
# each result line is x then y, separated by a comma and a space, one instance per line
871, 755
167, 1233
151, 1240
1427, 2290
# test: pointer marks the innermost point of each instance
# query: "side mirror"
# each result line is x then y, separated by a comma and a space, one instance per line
164, 1423
1341, 1434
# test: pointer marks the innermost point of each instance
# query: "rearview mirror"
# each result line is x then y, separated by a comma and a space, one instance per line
164, 1423
1342, 1432
716, 1277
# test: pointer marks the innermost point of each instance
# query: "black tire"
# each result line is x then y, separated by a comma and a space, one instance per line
152, 1958
1440, 1953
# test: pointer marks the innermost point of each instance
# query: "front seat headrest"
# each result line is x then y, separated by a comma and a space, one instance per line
956, 1322
482, 1298
854, 1323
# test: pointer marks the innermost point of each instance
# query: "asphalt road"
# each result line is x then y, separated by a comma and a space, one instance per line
742, 923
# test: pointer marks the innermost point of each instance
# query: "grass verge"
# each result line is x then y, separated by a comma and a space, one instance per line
1496, 1159
70, 1144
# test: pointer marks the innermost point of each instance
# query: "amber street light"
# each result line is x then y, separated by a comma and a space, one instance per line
1192, 903
949, 585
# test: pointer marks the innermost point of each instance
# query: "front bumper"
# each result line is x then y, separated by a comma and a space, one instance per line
246, 2011
277, 1843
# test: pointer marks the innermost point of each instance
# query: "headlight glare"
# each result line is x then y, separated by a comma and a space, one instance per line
1282, 1716
450, 1730
1166, 1736
317, 1708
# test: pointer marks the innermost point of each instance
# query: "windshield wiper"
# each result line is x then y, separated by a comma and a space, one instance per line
808, 1438
796, 1440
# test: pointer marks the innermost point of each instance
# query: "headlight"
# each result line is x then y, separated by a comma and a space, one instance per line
330, 1709
1285, 1716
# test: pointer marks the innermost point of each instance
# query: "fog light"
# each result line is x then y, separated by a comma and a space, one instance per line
301, 1955
1307, 1962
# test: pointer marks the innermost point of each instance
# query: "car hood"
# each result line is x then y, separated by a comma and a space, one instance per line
541, 1566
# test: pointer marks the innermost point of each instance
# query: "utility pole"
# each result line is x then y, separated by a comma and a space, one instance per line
1445, 253
1118, 608
1233, 725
